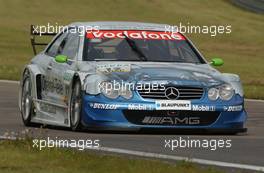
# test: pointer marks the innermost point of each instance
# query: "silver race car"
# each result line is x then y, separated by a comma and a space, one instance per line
128, 76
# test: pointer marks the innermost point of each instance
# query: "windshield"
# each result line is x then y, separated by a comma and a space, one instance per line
135, 45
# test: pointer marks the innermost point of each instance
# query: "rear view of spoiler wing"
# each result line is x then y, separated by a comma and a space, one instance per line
34, 33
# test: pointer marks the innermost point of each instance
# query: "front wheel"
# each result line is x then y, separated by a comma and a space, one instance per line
27, 106
76, 107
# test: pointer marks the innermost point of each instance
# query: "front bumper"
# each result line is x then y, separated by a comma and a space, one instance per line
101, 113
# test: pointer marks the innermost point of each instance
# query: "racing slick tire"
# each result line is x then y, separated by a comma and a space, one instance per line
76, 107
26, 102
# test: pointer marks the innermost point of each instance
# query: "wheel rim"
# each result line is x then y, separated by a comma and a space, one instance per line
26, 100
76, 105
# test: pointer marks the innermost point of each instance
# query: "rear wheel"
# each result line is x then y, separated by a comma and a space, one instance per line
27, 106
76, 107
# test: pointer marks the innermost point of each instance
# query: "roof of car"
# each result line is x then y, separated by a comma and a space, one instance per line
120, 25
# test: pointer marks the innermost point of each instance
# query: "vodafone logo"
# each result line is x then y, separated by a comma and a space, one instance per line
135, 34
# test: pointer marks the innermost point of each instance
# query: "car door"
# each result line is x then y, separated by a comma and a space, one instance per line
49, 80
63, 72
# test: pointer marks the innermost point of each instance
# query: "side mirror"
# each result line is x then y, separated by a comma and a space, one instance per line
217, 62
61, 58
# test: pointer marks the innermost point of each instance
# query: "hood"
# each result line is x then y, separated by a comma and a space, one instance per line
172, 73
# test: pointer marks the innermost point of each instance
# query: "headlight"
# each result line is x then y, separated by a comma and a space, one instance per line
126, 93
107, 89
226, 92
213, 93
112, 90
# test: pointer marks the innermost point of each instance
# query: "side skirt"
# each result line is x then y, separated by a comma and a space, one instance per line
51, 113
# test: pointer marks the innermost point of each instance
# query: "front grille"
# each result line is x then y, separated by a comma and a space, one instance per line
171, 117
185, 93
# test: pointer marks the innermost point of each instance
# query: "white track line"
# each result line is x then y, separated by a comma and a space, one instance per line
164, 156
179, 158
254, 100
9, 81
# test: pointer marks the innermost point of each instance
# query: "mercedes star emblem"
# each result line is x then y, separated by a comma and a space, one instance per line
172, 93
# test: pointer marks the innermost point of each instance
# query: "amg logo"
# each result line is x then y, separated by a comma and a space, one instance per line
171, 120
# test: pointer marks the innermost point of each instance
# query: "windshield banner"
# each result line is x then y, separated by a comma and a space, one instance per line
134, 34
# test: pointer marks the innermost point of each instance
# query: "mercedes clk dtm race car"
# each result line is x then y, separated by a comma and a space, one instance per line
128, 76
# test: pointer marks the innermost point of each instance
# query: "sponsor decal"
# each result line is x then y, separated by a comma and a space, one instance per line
104, 106
68, 76
203, 108
134, 34
139, 107
109, 68
233, 108
64, 99
173, 105
47, 108
52, 85
171, 120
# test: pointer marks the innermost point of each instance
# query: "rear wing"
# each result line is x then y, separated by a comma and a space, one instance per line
34, 34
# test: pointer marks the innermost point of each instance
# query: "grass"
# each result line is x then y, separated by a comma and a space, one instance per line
21, 157
242, 50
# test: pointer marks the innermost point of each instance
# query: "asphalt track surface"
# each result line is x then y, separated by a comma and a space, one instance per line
247, 148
